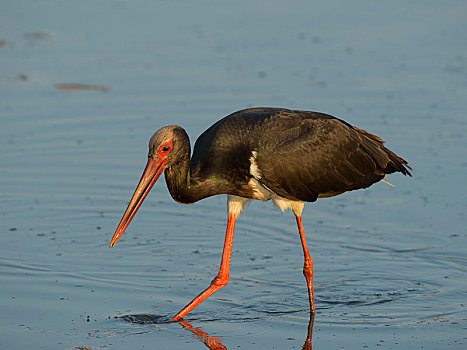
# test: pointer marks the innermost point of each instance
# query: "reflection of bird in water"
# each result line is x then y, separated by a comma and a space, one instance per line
288, 156
211, 341
214, 342
309, 336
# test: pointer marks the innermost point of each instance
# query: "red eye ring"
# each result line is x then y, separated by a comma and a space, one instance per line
165, 149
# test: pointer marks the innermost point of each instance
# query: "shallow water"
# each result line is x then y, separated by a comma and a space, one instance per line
84, 85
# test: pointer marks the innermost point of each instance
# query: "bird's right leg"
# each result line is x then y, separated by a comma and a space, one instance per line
222, 277
308, 264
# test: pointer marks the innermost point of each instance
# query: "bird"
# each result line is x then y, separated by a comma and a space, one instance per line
284, 155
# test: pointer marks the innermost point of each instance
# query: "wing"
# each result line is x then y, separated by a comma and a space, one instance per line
306, 155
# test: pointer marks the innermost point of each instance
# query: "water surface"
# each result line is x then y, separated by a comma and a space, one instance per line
84, 85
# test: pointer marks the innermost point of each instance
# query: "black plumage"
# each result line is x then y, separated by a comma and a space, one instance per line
288, 156
301, 155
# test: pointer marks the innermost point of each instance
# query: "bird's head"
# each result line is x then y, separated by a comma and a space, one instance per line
164, 150
165, 146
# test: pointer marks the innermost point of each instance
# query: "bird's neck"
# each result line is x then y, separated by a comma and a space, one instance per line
182, 186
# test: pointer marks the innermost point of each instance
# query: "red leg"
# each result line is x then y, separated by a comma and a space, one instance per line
222, 277
308, 264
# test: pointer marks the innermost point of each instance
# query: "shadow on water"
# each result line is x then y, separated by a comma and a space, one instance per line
212, 342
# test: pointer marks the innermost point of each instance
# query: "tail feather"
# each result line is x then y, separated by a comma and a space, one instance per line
384, 157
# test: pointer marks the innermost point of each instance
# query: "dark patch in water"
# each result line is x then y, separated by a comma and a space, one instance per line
145, 318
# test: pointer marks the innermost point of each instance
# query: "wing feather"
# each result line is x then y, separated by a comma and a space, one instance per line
322, 157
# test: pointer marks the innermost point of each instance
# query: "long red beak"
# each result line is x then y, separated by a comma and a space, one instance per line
153, 170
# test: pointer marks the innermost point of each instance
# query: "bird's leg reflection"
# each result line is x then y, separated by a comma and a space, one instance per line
210, 341
213, 342
309, 336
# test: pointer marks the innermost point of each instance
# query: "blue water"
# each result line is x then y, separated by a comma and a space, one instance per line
390, 263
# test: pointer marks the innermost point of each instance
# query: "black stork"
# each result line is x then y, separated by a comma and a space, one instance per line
288, 156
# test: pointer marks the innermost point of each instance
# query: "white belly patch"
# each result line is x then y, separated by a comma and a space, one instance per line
236, 204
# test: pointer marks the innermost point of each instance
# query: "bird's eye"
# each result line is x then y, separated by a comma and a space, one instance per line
164, 149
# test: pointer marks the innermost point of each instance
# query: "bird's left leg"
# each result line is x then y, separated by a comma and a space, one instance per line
308, 264
222, 277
